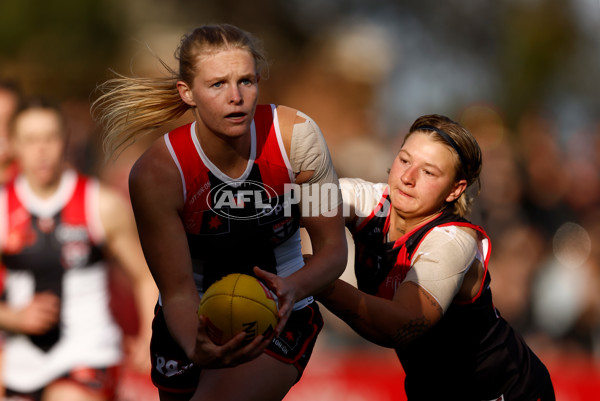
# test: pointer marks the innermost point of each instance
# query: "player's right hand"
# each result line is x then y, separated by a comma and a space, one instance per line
207, 354
39, 316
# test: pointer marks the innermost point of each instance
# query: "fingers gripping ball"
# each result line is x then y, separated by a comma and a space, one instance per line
236, 303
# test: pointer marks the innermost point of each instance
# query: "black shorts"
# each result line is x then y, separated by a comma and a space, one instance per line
172, 371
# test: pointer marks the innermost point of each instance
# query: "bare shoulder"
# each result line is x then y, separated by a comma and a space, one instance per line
154, 167
155, 181
288, 114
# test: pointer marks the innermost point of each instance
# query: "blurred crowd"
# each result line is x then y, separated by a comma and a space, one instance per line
540, 203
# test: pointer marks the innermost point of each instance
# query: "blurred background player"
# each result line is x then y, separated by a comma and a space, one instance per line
57, 230
9, 102
10, 98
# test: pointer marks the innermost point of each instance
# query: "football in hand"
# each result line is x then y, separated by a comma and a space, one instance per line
236, 303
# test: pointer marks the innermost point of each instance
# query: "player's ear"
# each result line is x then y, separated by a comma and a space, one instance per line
185, 92
457, 190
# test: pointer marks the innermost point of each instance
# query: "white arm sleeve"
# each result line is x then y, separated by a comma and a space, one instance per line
309, 152
441, 262
360, 197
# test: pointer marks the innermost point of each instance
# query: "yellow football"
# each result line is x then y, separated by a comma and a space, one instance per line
236, 303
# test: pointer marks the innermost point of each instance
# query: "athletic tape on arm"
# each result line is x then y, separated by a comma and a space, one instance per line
309, 152
442, 261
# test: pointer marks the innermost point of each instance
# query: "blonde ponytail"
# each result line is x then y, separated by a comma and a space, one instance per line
132, 107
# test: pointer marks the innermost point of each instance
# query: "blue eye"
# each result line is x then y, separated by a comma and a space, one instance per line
218, 84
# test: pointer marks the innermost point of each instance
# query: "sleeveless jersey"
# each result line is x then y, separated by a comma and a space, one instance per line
54, 245
465, 353
233, 225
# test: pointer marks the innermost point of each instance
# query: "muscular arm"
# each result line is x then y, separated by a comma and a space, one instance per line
389, 323
157, 197
328, 240
310, 160
312, 165
434, 280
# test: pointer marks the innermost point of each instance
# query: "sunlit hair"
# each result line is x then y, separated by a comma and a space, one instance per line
130, 107
466, 166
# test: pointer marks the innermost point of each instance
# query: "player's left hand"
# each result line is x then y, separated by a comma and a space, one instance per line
286, 295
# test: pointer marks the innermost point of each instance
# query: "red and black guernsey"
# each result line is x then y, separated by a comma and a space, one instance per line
465, 354
233, 225
48, 246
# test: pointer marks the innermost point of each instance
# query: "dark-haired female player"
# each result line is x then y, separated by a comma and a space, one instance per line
423, 281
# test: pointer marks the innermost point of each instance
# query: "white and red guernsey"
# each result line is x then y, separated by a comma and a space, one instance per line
234, 224
55, 245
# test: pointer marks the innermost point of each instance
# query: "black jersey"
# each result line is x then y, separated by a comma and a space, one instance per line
472, 353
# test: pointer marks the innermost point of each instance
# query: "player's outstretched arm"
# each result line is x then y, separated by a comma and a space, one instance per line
157, 198
389, 323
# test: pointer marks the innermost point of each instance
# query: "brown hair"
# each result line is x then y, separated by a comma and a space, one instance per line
464, 147
42, 104
131, 107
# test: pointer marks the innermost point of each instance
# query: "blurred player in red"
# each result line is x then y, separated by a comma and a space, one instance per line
10, 97
214, 197
423, 281
9, 102
55, 227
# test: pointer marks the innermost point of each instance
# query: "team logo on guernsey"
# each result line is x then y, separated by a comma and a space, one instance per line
75, 244
243, 201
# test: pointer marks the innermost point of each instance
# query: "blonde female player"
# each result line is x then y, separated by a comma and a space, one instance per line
423, 282
192, 232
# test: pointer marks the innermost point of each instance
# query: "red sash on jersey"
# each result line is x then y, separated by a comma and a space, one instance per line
70, 225
47, 245
226, 231
381, 266
269, 158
